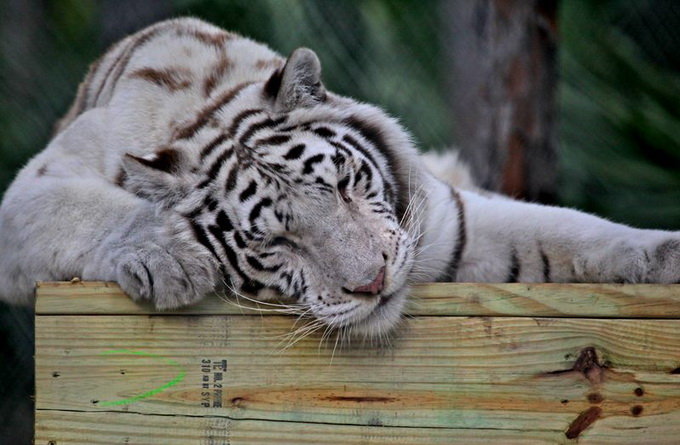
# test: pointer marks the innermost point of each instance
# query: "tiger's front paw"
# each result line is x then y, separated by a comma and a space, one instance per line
633, 261
168, 278
155, 257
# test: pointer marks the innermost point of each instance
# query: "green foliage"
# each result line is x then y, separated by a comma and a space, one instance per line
620, 121
39, 75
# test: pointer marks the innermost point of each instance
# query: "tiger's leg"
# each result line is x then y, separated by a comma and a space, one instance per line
63, 228
508, 241
61, 219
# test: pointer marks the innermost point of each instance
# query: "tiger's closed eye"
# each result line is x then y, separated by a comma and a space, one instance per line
283, 241
342, 189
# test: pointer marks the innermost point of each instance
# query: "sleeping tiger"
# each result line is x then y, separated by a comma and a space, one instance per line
194, 160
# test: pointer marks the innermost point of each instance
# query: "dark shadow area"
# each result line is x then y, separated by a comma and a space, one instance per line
16, 375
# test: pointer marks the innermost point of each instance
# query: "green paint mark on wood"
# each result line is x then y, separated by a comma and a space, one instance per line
178, 378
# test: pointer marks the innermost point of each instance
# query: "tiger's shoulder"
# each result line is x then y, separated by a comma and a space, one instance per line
177, 64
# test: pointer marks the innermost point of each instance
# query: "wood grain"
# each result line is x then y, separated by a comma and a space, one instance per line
87, 428
445, 379
462, 299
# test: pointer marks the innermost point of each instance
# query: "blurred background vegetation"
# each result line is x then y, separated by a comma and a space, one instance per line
618, 98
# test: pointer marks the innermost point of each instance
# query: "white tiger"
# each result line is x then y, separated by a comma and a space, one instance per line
194, 159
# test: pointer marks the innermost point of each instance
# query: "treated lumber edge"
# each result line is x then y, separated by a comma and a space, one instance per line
578, 300
83, 426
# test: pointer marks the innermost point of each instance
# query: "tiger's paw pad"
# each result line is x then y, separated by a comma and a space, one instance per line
169, 281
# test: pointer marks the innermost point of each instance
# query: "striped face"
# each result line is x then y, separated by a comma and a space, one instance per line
301, 203
309, 211
293, 190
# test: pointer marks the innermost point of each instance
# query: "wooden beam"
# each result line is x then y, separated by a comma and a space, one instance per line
127, 376
461, 299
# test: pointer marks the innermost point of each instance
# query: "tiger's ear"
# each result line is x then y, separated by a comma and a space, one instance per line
298, 83
156, 176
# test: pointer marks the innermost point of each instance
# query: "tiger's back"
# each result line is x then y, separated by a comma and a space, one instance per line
162, 76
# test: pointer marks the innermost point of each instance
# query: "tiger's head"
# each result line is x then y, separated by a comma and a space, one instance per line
296, 192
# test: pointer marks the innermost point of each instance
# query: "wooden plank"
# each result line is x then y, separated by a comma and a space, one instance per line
463, 299
548, 379
87, 429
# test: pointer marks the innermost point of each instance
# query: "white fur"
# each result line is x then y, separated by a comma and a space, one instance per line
450, 168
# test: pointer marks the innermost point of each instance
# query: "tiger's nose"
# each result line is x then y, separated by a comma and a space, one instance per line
373, 287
